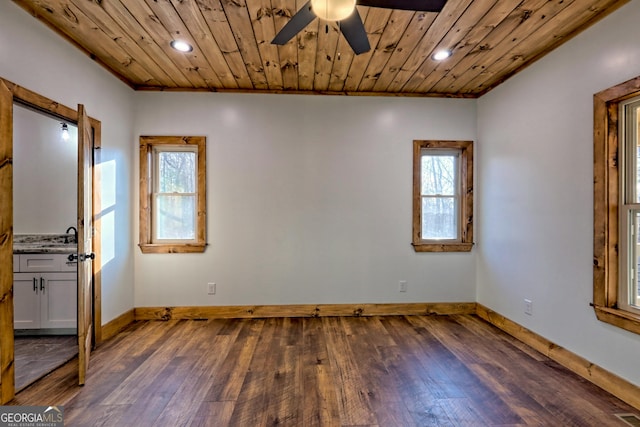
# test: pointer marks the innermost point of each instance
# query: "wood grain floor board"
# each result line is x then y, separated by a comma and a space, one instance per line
283, 396
419, 367
36, 356
221, 412
464, 346
446, 372
133, 346
181, 411
511, 345
471, 351
331, 371
353, 398
319, 400
417, 397
143, 378
525, 406
148, 407
548, 402
264, 383
228, 384
174, 377
373, 340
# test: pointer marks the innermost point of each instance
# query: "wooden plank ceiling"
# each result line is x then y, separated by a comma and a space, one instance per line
490, 39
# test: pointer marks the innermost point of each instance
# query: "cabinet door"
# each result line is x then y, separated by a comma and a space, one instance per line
26, 301
58, 300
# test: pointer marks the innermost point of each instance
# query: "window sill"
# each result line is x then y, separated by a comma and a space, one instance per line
620, 318
442, 247
160, 248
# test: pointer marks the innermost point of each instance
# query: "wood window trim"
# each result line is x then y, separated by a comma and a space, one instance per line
466, 206
146, 245
606, 184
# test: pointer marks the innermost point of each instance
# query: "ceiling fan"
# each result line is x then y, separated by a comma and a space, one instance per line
348, 18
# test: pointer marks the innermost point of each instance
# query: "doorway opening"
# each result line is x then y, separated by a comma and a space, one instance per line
45, 164
88, 237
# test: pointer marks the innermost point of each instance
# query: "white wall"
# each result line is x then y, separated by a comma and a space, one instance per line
309, 200
535, 179
37, 59
45, 174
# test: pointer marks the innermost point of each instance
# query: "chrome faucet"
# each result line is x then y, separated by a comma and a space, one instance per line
75, 235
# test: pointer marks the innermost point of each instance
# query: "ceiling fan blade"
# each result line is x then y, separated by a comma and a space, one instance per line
301, 19
417, 5
354, 32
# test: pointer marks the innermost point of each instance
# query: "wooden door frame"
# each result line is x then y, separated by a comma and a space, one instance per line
33, 100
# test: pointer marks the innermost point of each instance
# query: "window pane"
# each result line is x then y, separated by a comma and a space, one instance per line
176, 172
637, 172
439, 218
634, 283
632, 153
438, 175
175, 217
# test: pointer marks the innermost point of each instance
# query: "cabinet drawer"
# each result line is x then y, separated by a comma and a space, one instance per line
16, 263
68, 266
35, 263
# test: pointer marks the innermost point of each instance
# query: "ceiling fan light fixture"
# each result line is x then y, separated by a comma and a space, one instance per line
181, 46
333, 10
441, 55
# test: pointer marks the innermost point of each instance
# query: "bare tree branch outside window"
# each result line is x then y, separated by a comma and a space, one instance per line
176, 195
439, 198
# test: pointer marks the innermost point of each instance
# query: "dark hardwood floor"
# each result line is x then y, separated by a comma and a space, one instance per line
349, 371
36, 356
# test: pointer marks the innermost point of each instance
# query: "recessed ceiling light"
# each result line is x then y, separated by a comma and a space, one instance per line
441, 55
182, 46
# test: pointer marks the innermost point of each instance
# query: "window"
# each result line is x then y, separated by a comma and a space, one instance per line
629, 284
172, 194
442, 196
616, 205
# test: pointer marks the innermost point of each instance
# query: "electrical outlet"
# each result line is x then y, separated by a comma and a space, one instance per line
211, 288
402, 286
528, 307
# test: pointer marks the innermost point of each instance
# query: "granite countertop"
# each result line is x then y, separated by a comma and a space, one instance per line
44, 244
